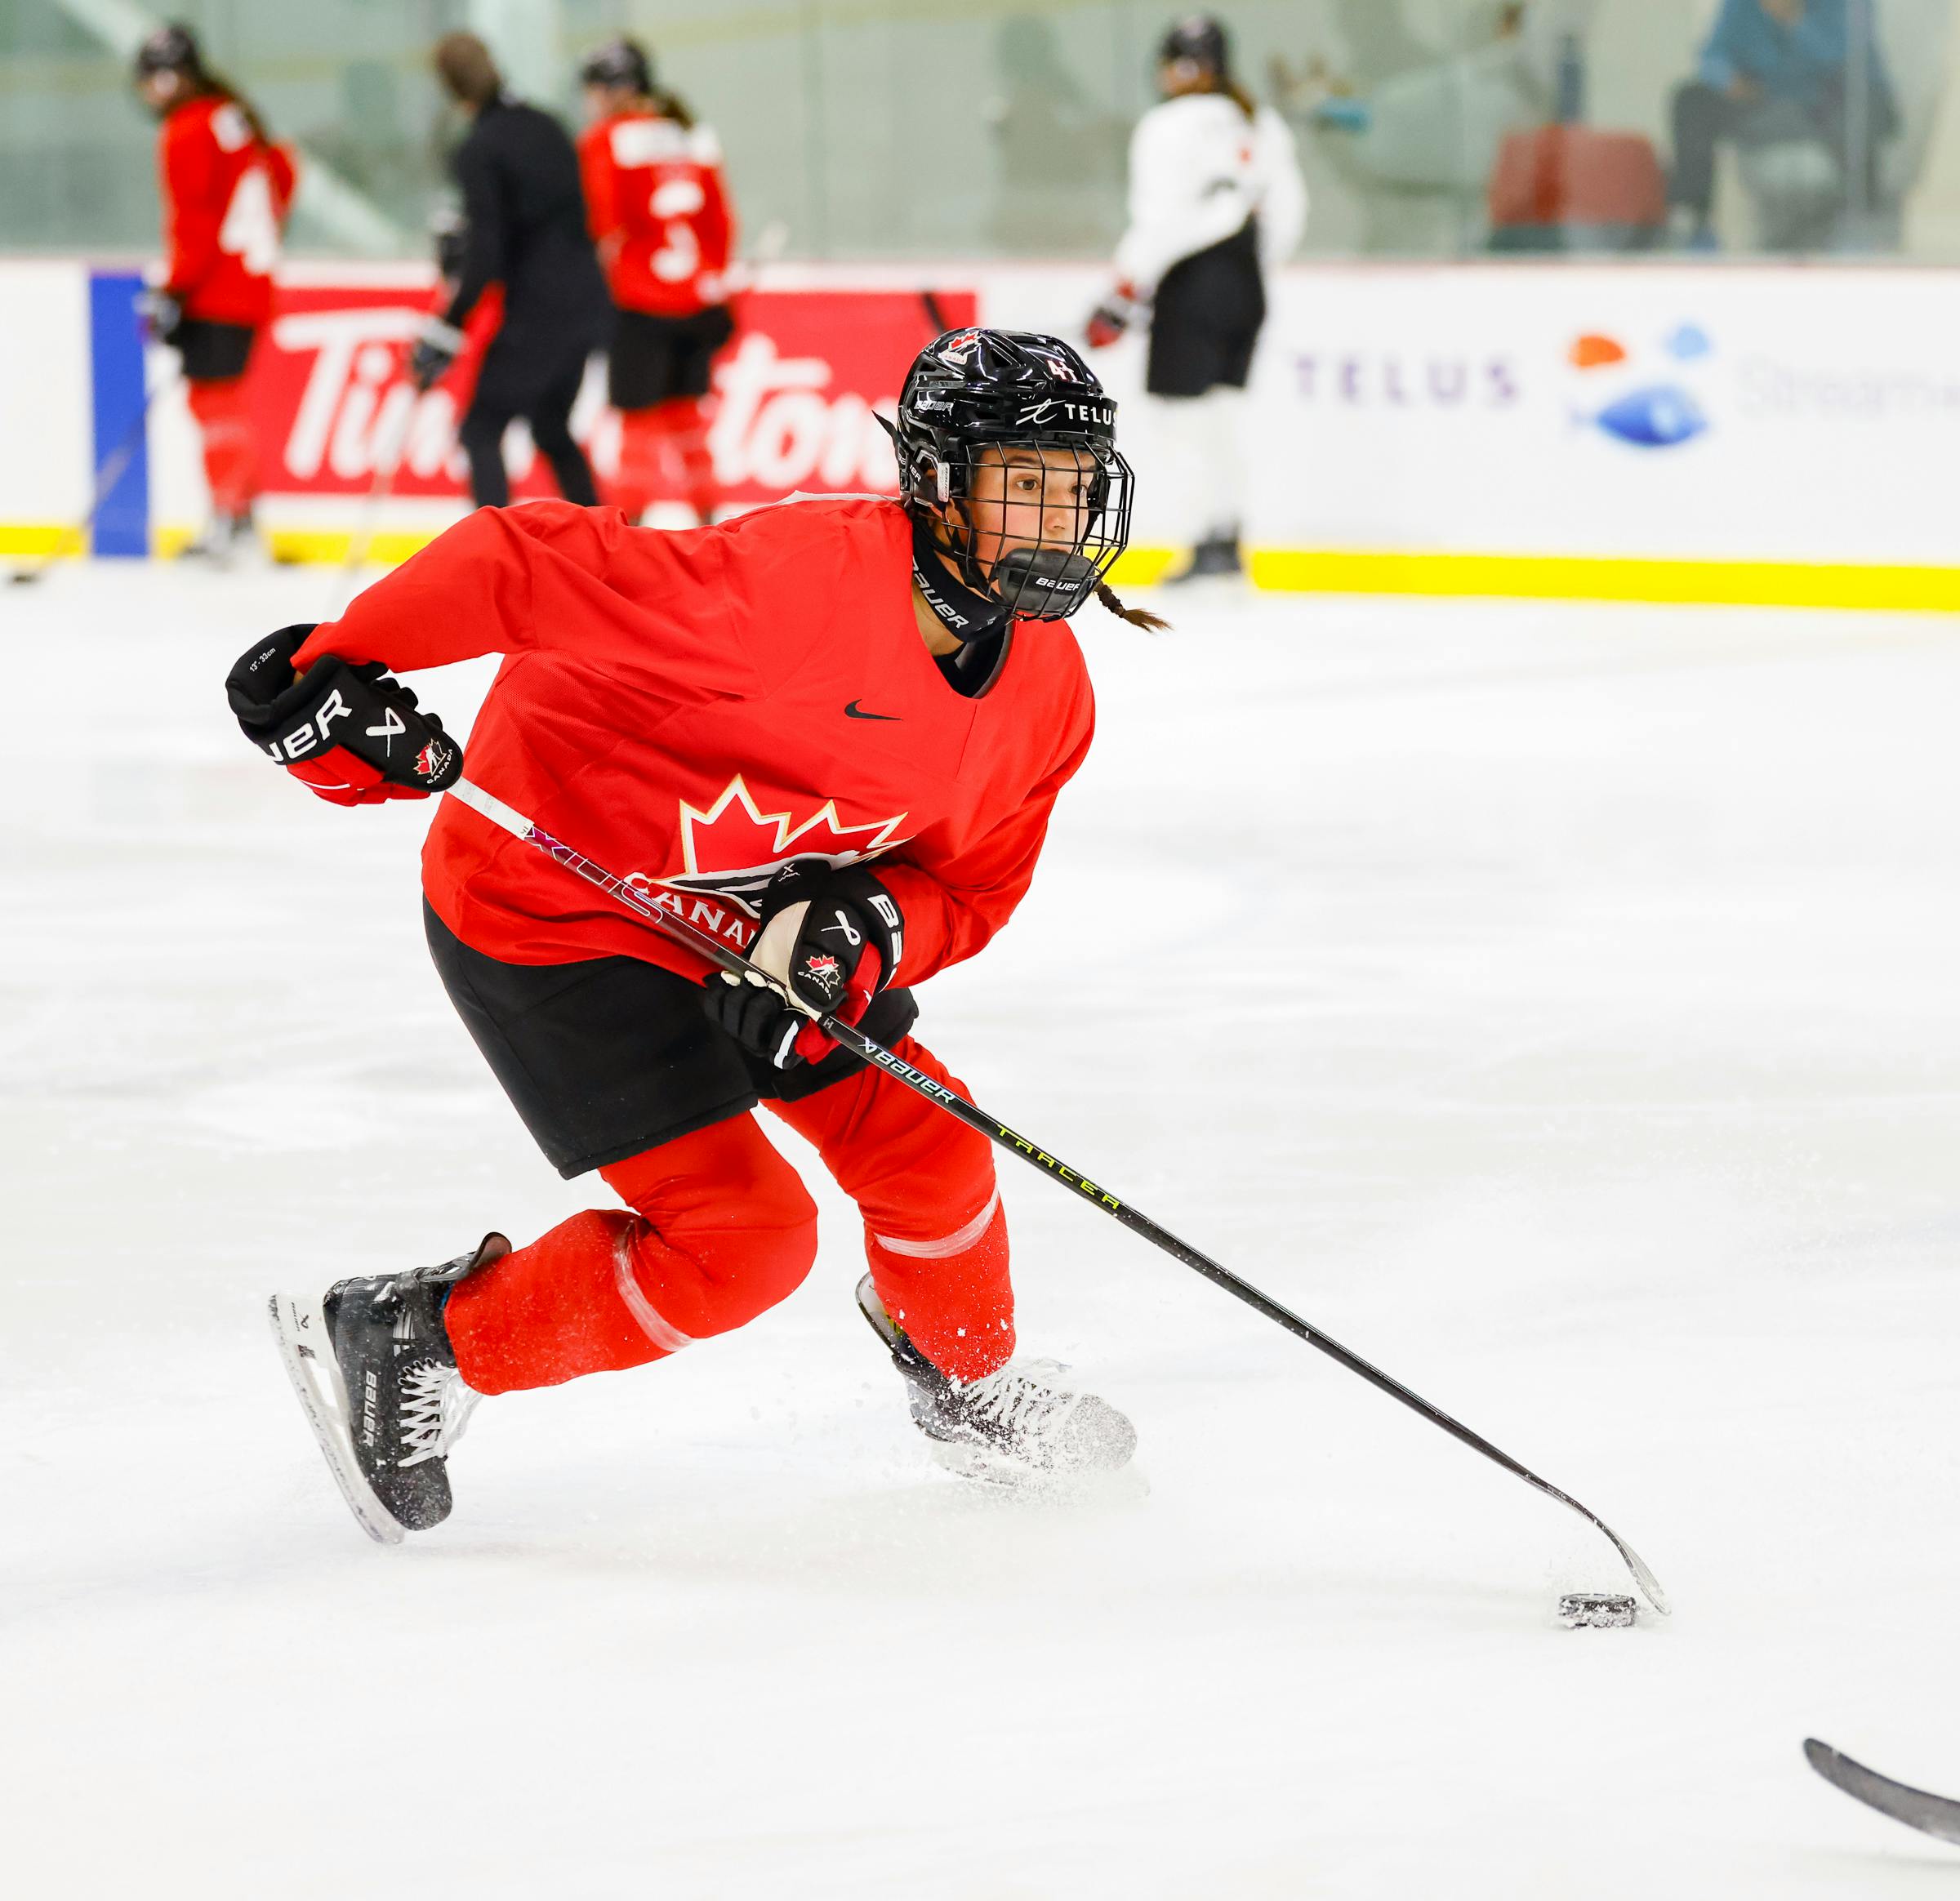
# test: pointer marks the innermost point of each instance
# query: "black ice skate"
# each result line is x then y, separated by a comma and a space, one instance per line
1017, 1424
376, 1377
1215, 557
227, 541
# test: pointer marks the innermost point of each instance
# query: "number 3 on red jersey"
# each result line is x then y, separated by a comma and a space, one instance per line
660, 210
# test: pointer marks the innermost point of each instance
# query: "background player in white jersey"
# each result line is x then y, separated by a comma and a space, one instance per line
1216, 200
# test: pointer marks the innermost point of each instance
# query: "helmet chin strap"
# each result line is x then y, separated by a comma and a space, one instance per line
968, 613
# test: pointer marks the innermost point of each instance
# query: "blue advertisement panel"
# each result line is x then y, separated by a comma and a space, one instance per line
122, 448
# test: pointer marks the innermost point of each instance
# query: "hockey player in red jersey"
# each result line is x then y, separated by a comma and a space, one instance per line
227, 187
830, 731
659, 209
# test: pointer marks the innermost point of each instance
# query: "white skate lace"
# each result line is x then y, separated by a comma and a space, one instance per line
436, 1406
1015, 1401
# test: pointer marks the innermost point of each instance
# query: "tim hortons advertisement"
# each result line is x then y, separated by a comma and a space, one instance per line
795, 392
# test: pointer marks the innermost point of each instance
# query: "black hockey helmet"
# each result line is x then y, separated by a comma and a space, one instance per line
170, 49
1200, 39
975, 400
620, 62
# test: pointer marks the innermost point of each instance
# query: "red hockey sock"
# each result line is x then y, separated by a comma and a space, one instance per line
934, 1232
231, 461
687, 425
721, 1229
645, 477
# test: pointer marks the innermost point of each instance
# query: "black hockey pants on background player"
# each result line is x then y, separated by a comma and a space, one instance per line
525, 228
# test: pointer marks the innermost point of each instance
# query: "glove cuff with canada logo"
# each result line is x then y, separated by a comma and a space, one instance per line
352, 735
832, 935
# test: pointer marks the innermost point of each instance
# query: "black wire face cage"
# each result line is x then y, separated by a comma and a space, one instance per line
1036, 521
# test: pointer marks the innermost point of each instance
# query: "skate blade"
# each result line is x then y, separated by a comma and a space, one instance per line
1082, 1484
299, 1329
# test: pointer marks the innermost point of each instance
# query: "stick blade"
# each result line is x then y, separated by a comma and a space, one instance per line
1931, 1814
1644, 1577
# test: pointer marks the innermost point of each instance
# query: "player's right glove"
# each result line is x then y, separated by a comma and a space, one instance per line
832, 935
353, 735
435, 348
1111, 317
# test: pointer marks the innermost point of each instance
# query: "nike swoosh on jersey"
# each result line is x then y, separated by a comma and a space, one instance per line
854, 712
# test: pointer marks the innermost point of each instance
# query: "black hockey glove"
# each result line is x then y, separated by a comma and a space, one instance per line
832, 937
435, 347
354, 735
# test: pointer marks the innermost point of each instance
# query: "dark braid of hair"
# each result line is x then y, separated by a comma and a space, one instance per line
219, 86
1136, 616
671, 106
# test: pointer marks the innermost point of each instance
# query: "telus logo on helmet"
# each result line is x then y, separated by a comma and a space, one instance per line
1051, 408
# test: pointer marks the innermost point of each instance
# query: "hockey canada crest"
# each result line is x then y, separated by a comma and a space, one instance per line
730, 853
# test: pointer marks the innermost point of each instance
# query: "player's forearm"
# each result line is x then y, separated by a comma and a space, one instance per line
465, 595
194, 252
941, 927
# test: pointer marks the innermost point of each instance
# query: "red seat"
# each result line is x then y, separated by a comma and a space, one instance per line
1559, 186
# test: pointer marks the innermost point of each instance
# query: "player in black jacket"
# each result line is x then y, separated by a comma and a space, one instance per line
524, 227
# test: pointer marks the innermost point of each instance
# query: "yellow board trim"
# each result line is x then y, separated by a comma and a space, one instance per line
1769, 584
1563, 577
49, 539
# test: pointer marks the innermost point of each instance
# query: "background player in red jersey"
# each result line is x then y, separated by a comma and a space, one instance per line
659, 208
830, 731
227, 188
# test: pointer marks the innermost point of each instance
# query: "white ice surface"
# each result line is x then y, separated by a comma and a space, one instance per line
1562, 1006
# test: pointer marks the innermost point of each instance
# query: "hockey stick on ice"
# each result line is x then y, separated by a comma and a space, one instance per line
997, 1132
115, 466
1931, 1814
378, 491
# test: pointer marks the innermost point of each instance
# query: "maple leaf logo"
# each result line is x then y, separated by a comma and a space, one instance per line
734, 847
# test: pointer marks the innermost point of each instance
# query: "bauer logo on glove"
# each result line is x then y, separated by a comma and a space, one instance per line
352, 735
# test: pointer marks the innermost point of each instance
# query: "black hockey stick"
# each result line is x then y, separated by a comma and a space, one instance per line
115, 466
1931, 1814
646, 906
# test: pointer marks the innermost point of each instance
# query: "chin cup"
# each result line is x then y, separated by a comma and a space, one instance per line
1048, 583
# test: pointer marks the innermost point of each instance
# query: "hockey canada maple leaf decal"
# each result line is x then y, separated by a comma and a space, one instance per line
734, 848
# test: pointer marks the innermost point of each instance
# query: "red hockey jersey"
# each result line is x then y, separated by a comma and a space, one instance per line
693, 710
226, 196
658, 209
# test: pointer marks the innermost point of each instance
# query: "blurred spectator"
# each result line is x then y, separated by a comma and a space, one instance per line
1059, 154
1783, 73
1415, 129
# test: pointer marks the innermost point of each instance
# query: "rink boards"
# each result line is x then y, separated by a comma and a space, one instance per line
1650, 432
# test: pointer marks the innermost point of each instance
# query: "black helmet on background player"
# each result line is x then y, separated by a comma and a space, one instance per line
971, 398
621, 62
1199, 39
170, 49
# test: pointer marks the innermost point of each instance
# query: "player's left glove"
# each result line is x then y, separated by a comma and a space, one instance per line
435, 347
161, 314
353, 735
1111, 317
831, 936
